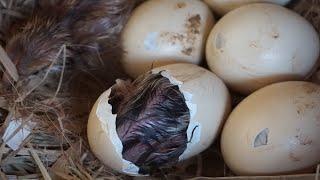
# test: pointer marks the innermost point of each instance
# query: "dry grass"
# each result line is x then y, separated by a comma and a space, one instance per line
57, 147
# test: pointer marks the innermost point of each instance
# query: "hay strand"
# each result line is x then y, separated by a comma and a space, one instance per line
8, 65
318, 172
3, 176
35, 156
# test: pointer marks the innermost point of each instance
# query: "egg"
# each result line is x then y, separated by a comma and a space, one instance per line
316, 77
260, 44
162, 32
275, 130
165, 116
222, 7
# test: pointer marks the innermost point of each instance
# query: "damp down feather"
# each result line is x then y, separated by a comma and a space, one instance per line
152, 121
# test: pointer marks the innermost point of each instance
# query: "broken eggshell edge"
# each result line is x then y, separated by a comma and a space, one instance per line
212, 100
194, 127
105, 142
103, 138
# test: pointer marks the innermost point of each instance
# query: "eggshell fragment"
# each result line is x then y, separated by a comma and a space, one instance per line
162, 32
275, 130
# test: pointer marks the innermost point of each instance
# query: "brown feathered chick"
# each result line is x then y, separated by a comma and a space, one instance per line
87, 27
35, 42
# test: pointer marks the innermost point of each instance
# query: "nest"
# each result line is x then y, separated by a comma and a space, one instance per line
54, 108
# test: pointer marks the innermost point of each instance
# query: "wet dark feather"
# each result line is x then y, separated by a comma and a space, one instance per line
152, 120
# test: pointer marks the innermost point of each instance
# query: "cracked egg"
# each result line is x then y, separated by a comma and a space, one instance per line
161, 32
260, 44
165, 116
275, 130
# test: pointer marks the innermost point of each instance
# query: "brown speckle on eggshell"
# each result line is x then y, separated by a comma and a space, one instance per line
166, 32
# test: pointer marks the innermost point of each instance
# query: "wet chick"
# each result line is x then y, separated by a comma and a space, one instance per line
151, 122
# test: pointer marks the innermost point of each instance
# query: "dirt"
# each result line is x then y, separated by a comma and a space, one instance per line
181, 5
193, 30
303, 139
187, 51
188, 38
293, 157
254, 44
193, 24
275, 35
172, 37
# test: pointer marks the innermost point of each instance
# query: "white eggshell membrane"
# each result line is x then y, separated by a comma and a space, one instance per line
259, 44
222, 7
103, 138
275, 130
208, 101
161, 32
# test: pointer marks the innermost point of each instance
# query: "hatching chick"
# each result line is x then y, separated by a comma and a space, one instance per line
152, 121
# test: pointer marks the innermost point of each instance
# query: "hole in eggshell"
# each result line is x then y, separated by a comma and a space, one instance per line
152, 121
261, 139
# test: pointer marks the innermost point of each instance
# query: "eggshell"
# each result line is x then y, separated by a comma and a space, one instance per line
259, 44
162, 32
222, 7
210, 99
275, 130
103, 139
206, 96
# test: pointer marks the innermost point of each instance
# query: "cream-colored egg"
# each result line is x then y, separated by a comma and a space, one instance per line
205, 95
162, 32
275, 130
259, 44
221, 7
